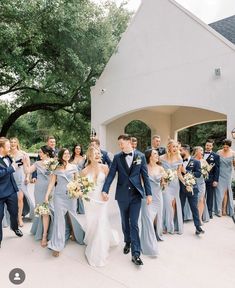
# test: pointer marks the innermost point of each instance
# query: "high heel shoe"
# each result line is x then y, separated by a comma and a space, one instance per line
55, 253
44, 241
20, 222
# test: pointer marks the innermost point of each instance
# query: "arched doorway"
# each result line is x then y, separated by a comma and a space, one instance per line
141, 131
198, 134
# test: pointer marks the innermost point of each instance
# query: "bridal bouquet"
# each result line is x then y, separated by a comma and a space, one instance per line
50, 164
205, 169
79, 188
42, 209
189, 181
167, 177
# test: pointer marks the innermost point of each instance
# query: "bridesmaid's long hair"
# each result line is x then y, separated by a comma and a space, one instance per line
17, 141
148, 154
48, 151
60, 157
195, 149
168, 153
73, 151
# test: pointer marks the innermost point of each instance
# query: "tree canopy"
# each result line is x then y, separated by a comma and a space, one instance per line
51, 53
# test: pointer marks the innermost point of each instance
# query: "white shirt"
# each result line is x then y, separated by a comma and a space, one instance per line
5, 160
129, 159
205, 156
185, 163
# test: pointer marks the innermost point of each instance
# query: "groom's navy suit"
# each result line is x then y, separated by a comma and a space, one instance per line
8, 194
129, 192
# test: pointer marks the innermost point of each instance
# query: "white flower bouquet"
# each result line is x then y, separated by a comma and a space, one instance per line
168, 176
79, 188
205, 169
189, 181
42, 209
51, 164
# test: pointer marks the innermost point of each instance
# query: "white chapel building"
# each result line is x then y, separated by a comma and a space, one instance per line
171, 71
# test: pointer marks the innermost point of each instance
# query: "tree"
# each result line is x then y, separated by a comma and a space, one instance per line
52, 52
141, 131
198, 134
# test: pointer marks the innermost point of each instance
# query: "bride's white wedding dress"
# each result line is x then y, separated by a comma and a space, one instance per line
99, 236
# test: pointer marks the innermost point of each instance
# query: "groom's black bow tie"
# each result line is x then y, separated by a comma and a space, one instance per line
207, 152
185, 160
127, 154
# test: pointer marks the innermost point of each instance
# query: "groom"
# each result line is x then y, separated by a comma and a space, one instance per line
131, 167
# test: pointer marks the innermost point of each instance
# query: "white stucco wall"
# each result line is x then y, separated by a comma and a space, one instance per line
166, 57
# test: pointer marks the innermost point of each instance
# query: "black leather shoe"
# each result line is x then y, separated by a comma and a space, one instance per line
233, 218
199, 231
137, 260
127, 248
18, 232
211, 216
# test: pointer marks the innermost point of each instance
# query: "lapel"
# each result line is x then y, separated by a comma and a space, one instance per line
124, 164
134, 159
2, 163
190, 165
210, 158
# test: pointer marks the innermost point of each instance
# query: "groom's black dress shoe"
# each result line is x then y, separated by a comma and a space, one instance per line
137, 260
18, 232
233, 218
199, 231
127, 248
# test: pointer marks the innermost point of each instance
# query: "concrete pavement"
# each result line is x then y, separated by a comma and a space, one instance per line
184, 261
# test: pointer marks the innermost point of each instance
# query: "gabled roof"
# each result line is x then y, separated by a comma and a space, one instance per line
226, 27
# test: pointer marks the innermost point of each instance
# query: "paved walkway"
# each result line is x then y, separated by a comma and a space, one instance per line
185, 261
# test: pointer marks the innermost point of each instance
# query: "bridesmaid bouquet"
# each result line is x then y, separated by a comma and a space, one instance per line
189, 181
205, 169
79, 188
167, 177
51, 164
42, 209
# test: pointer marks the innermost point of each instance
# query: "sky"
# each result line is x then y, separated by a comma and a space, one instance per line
207, 10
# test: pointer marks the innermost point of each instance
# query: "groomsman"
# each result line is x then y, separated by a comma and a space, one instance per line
156, 144
95, 142
193, 166
8, 188
212, 159
134, 143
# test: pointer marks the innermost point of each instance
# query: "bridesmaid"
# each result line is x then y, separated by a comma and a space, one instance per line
25, 204
78, 158
63, 205
41, 225
202, 207
223, 192
172, 212
151, 215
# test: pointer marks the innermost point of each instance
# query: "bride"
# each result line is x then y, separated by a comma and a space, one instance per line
99, 236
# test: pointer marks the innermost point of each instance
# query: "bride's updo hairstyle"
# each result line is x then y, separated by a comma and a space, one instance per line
90, 153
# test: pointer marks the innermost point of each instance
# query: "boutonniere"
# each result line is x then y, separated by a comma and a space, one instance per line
137, 161
212, 158
191, 164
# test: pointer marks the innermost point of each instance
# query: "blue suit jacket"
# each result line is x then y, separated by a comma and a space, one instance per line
213, 159
7, 182
194, 167
105, 158
128, 177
